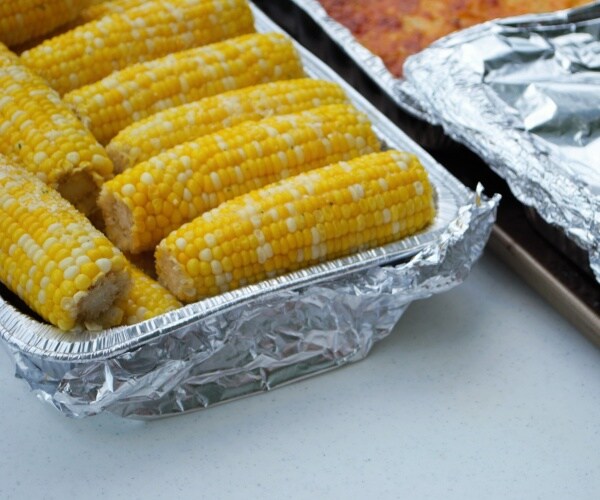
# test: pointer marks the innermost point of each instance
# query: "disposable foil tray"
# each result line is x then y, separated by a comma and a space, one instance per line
262, 336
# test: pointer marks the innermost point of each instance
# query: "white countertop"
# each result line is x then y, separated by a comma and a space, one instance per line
482, 392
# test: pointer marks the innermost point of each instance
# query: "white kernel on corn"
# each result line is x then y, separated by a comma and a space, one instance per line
289, 139
299, 152
260, 254
282, 158
395, 227
71, 272
186, 161
206, 255
256, 220
210, 239
291, 224
257, 147
260, 237
39, 157
357, 192
98, 160
81, 260
216, 180
216, 267
187, 195
221, 282
105, 265
42, 297
419, 189
44, 282
387, 215
66, 263
268, 249
383, 184
315, 251
100, 100
128, 190
147, 178
181, 243
315, 235
73, 157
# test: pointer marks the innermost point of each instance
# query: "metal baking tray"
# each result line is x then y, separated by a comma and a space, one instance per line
261, 336
537, 247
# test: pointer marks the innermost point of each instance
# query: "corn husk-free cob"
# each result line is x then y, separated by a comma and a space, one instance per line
165, 130
141, 90
39, 132
144, 300
98, 10
51, 255
23, 20
94, 50
143, 204
315, 216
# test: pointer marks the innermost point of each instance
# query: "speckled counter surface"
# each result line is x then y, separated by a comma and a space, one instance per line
482, 392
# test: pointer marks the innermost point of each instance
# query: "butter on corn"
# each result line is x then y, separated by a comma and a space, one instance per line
165, 130
52, 257
94, 50
23, 20
132, 94
315, 216
39, 132
143, 204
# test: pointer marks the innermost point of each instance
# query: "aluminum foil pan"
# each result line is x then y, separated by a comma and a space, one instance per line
524, 93
261, 336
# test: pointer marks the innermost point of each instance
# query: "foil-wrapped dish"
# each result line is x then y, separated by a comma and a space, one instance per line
234, 337
522, 93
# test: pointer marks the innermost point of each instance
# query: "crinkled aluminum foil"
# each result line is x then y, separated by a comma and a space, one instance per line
524, 93
262, 336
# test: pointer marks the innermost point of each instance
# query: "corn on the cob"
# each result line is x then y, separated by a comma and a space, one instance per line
143, 204
319, 215
144, 300
94, 50
98, 10
134, 93
39, 132
165, 130
22, 20
52, 257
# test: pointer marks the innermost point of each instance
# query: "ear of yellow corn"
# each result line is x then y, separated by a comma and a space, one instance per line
22, 20
144, 300
51, 255
165, 130
141, 90
143, 204
97, 10
90, 52
319, 215
39, 132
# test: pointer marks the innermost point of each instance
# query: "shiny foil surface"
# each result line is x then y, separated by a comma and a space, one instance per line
262, 336
524, 93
